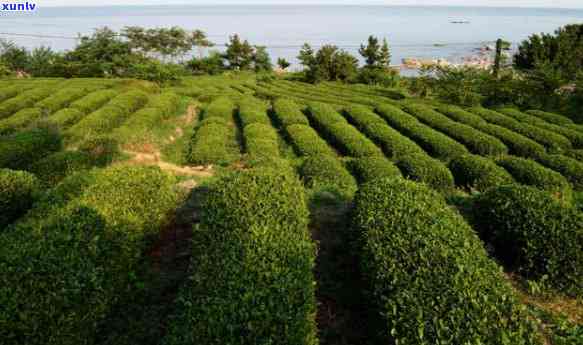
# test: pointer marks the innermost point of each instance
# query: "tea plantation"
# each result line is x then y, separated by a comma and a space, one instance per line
229, 210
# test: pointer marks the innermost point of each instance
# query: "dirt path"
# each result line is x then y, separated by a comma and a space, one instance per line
187, 119
150, 159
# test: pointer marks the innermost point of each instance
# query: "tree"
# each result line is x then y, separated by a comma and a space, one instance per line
212, 64
261, 60
371, 52
345, 66
157, 72
44, 62
239, 54
500, 58
14, 57
308, 60
385, 55
283, 63
324, 63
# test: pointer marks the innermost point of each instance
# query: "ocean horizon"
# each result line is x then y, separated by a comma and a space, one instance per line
421, 32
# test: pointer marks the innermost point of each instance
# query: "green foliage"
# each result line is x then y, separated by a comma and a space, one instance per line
65, 118
535, 235
478, 173
342, 135
18, 151
435, 143
252, 275
283, 63
287, 112
261, 60
18, 191
61, 99
517, 144
157, 72
110, 116
371, 168
456, 295
376, 76
307, 142
393, 143
326, 173
210, 145
422, 168
239, 54
27, 99
261, 144
55, 167
531, 173
476, 141
87, 251
20, 120
251, 111
328, 63
552, 141
102, 150
551, 117
221, 107
171, 42
93, 101
570, 168
212, 64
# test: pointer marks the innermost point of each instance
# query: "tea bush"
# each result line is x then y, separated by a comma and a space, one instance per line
456, 295
570, 168
93, 101
18, 151
288, 112
478, 173
307, 142
20, 120
550, 117
422, 168
531, 173
18, 191
370, 168
252, 275
326, 173
534, 234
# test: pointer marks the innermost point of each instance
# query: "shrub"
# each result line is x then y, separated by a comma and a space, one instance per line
478, 173
261, 143
456, 295
109, 117
18, 151
53, 168
517, 144
166, 103
534, 234
550, 140
210, 145
18, 190
570, 168
576, 154
93, 101
87, 251
221, 107
66, 117
19, 120
422, 168
393, 143
252, 111
531, 173
27, 99
344, 136
574, 135
101, 150
435, 143
307, 142
61, 99
252, 279
370, 168
287, 113
326, 173
550, 117
9, 92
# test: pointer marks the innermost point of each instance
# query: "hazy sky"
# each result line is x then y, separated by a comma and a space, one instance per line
520, 3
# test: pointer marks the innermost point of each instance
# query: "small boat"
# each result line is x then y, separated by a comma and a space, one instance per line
460, 22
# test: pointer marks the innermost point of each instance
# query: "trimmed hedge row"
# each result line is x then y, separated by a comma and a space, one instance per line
18, 191
422, 168
86, 251
18, 151
548, 139
10, 92
478, 173
288, 112
67, 117
433, 142
326, 173
393, 143
20, 120
222, 107
371, 168
26, 99
476, 141
427, 276
210, 144
573, 135
531, 173
110, 116
576, 154
307, 142
62, 99
534, 234
341, 134
261, 143
252, 111
551, 117
518, 144
93, 101
252, 274
570, 168
167, 104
